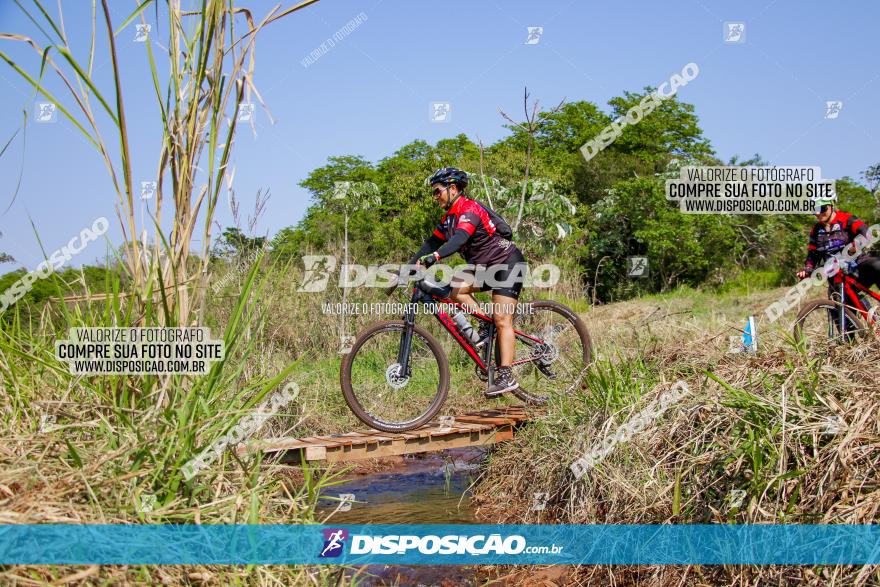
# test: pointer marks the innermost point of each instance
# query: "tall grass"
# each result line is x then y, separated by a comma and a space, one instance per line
111, 448
97, 449
781, 437
210, 72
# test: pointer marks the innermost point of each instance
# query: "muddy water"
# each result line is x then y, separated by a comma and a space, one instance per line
428, 490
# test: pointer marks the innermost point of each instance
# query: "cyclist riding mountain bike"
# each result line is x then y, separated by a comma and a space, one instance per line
482, 238
834, 231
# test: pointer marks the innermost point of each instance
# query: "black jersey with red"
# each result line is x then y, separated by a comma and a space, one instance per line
485, 246
829, 240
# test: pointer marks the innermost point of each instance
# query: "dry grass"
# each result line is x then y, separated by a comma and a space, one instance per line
798, 434
96, 479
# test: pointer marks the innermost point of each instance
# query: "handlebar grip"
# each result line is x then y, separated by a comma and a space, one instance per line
390, 290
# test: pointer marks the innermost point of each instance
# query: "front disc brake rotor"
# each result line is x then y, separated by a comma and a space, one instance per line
394, 378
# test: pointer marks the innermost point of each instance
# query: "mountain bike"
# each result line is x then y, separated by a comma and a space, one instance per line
396, 376
845, 317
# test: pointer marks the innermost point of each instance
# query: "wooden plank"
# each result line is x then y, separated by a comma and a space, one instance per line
401, 447
465, 426
325, 441
377, 435
488, 422
316, 453
480, 428
347, 439
469, 418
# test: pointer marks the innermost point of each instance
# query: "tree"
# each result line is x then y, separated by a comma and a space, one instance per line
4, 257
855, 198
349, 196
547, 214
530, 127
671, 130
235, 243
635, 219
872, 176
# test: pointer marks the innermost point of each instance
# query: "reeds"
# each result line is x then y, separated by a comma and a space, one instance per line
210, 72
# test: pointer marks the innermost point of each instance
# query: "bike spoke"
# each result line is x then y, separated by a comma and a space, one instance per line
820, 328
382, 388
557, 362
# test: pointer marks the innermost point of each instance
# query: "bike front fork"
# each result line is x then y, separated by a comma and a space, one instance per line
841, 320
403, 351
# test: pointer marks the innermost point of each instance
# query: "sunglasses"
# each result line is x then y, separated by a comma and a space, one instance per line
438, 191
823, 209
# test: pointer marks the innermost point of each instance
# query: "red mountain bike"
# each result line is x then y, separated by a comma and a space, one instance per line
396, 376
846, 317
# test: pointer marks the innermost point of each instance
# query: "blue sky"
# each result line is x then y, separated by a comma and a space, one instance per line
371, 93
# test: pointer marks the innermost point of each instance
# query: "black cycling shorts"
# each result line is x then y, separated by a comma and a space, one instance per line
504, 278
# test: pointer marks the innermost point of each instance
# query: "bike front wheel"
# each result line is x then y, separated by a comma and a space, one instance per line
386, 395
818, 326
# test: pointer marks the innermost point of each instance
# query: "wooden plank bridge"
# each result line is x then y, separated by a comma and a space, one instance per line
472, 429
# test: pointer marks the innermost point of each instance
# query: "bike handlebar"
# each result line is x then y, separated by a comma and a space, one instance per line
390, 290
847, 268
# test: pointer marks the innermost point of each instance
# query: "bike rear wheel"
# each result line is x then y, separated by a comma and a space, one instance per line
818, 326
564, 356
375, 387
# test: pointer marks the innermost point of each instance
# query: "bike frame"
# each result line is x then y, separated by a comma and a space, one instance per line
847, 287
484, 362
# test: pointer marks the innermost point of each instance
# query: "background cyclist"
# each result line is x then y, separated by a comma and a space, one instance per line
834, 230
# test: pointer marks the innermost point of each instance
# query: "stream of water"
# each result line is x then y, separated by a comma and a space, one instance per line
429, 489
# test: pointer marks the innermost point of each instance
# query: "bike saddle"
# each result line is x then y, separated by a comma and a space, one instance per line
434, 288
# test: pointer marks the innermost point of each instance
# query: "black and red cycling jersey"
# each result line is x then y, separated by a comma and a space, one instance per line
831, 239
484, 246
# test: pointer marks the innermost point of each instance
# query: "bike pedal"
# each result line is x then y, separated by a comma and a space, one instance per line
495, 394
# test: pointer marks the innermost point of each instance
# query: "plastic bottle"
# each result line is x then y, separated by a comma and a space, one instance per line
465, 327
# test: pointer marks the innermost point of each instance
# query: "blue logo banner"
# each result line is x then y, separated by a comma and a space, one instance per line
440, 544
